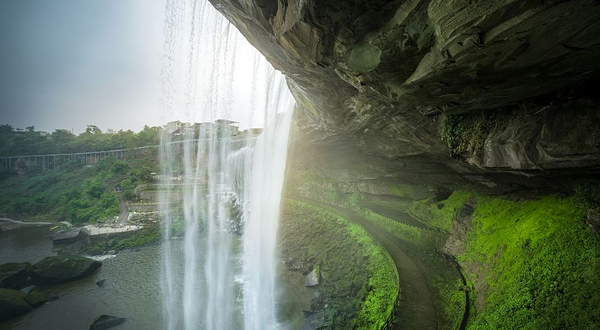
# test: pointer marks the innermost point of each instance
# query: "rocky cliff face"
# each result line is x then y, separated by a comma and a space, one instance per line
383, 86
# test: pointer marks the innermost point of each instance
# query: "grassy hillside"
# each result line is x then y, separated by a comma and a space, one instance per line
543, 264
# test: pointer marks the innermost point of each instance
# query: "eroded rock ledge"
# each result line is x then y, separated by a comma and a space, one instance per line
375, 81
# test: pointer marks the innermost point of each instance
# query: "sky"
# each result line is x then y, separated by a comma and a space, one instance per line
123, 64
72, 63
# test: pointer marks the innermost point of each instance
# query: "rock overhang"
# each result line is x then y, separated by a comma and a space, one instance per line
378, 78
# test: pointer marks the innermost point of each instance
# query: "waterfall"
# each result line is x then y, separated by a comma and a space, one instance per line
223, 165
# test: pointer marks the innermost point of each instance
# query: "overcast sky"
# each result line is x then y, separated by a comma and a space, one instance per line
70, 63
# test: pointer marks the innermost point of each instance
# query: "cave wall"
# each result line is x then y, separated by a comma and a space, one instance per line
376, 82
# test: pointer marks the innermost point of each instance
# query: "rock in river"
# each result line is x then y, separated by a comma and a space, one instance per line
12, 304
60, 269
106, 321
69, 236
14, 275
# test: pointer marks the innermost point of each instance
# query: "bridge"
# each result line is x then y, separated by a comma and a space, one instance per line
54, 161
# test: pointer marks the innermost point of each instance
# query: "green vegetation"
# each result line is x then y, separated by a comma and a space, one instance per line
17, 142
467, 132
442, 214
360, 282
73, 193
149, 234
543, 264
145, 236
378, 308
534, 262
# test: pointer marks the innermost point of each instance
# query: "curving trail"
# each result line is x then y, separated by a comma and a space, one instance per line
416, 309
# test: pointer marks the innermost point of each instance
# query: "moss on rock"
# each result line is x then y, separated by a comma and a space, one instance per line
14, 275
60, 269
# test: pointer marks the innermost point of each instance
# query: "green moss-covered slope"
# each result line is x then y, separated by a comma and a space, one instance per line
74, 192
541, 265
439, 214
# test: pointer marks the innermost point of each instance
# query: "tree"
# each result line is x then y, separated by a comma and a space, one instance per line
6, 129
93, 129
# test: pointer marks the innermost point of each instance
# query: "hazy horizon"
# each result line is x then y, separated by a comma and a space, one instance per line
68, 64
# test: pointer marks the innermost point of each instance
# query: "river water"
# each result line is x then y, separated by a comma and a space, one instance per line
131, 287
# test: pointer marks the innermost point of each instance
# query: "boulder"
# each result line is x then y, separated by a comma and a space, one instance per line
14, 275
60, 269
69, 236
103, 322
12, 304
